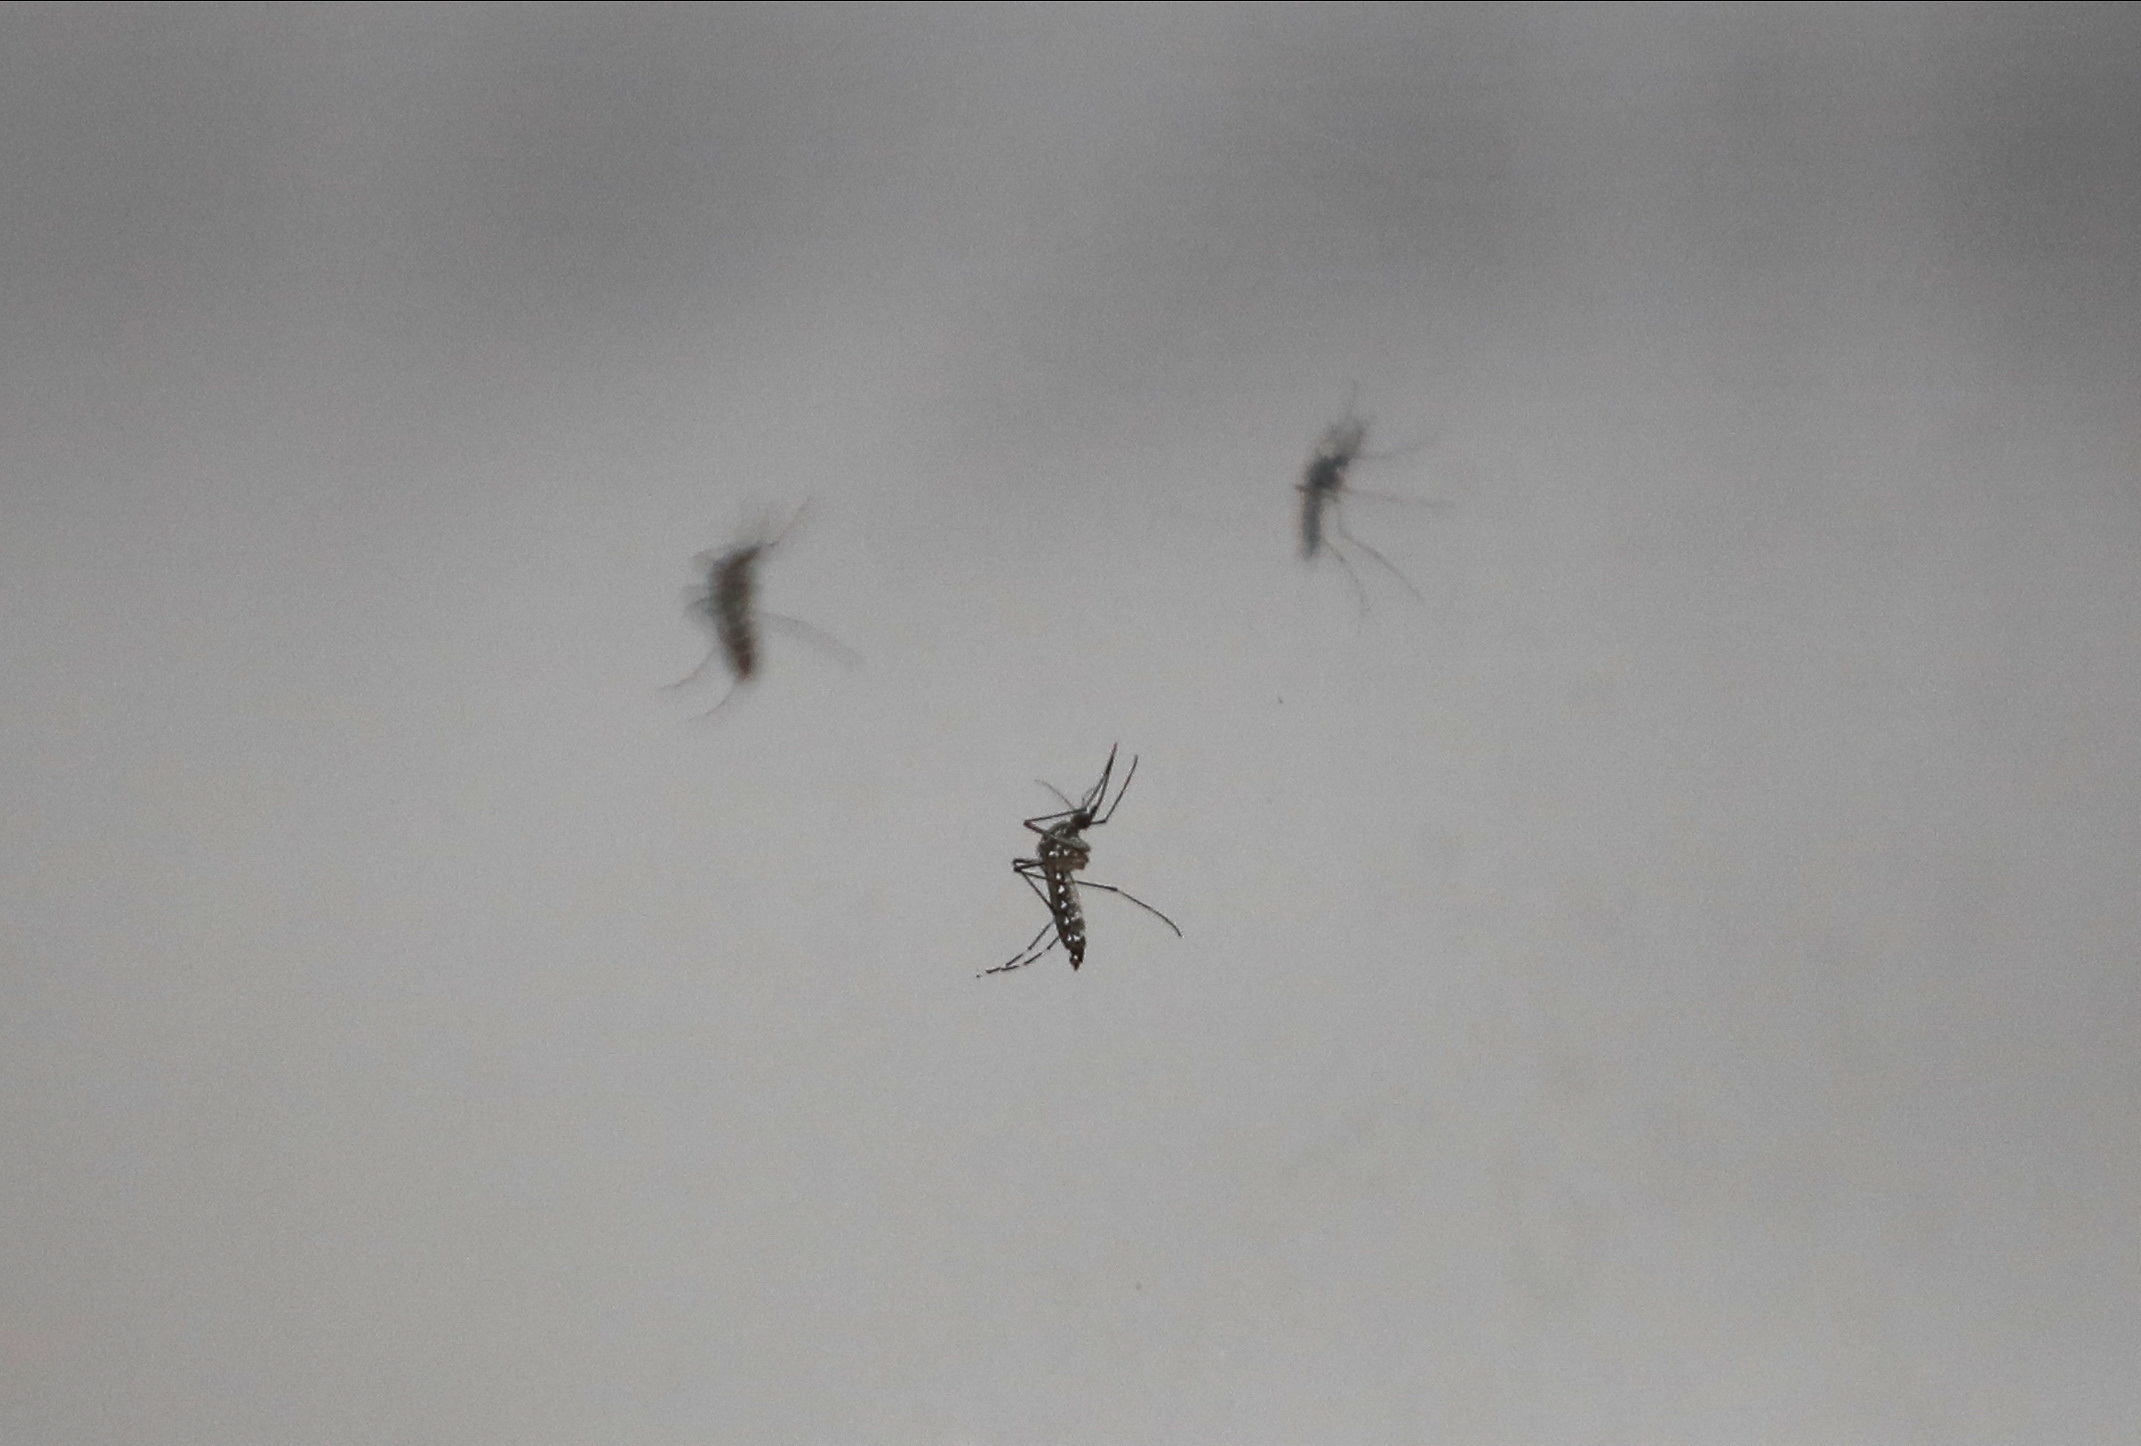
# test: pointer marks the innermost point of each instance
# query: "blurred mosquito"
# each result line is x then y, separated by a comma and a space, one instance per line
1061, 853
1323, 490
729, 606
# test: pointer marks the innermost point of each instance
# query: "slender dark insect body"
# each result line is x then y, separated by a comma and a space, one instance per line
1326, 477
730, 590
1323, 488
730, 606
1060, 855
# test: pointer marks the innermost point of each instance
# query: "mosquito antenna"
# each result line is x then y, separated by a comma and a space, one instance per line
789, 526
1068, 807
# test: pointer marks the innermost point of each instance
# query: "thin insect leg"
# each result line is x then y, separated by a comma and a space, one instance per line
1039, 935
1434, 502
1084, 805
1360, 594
1014, 964
693, 676
1107, 771
1120, 792
1388, 566
1396, 452
701, 605
1092, 795
1025, 956
725, 699
1089, 884
845, 654
1027, 869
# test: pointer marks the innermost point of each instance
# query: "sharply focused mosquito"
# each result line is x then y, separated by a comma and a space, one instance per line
1061, 853
1323, 490
729, 605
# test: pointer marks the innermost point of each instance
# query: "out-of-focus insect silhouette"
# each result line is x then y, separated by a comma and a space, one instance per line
1323, 490
729, 604
1062, 852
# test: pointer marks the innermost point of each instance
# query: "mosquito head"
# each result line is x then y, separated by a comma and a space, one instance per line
1341, 442
1086, 812
734, 562
1082, 816
757, 537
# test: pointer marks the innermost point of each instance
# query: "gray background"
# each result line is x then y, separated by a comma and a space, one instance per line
1673, 982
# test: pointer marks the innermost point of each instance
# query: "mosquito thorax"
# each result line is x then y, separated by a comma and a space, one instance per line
1343, 440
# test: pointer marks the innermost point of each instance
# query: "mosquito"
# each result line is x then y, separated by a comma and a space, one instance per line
1323, 489
729, 605
1061, 853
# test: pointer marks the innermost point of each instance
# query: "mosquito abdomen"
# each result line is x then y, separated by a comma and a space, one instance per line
1313, 496
1070, 914
734, 624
